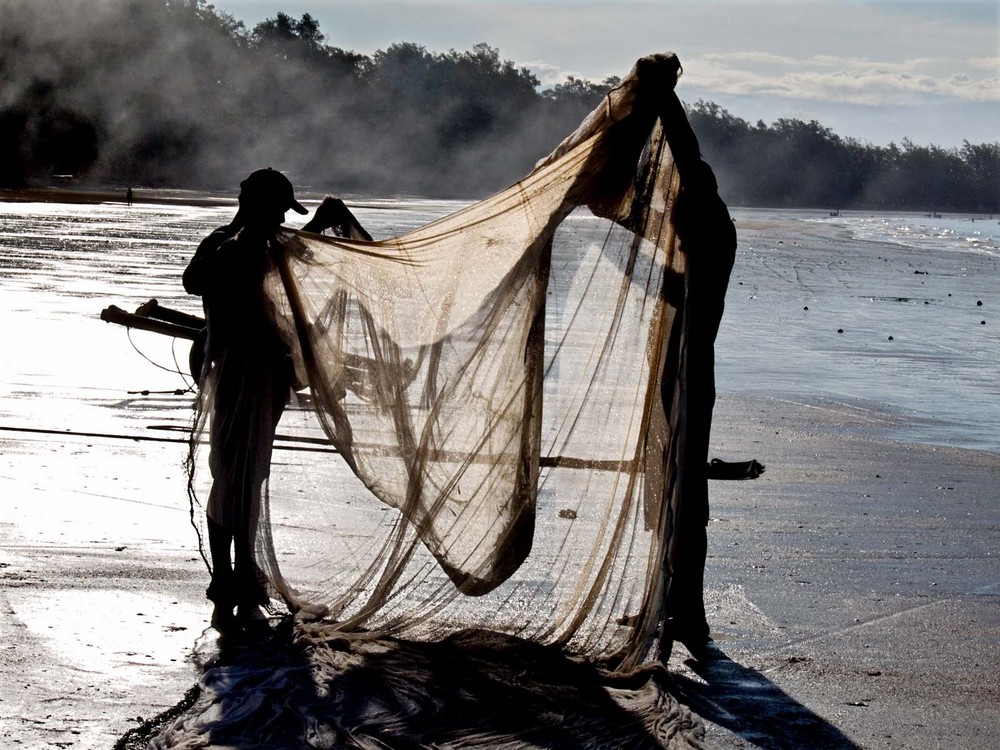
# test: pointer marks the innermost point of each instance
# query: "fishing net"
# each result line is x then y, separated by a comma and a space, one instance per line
524, 387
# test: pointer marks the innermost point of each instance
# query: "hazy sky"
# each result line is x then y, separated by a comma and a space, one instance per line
877, 71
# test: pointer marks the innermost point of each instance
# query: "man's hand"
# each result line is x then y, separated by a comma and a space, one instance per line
333, 214
330, 214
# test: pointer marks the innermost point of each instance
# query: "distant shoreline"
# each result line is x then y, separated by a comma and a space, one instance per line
107, 195
162, 196
206, 198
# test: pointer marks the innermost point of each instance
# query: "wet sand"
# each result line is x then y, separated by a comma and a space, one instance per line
852, 589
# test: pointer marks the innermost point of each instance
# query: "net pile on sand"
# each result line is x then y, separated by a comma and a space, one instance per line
523, 383
470, 689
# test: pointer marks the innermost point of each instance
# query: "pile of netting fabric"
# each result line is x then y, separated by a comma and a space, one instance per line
511, 383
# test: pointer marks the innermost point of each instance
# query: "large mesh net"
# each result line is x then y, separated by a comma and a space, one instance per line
523, 387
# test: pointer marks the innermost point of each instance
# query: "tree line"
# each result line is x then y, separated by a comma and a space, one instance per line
174, 93
791, 163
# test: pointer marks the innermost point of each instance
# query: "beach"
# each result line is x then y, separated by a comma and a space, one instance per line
852, 589
864, 561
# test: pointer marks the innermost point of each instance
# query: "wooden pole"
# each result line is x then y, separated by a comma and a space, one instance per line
113, 314
153, 309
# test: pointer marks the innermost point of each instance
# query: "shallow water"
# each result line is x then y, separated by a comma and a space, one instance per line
869, 311
954, 232
863, 277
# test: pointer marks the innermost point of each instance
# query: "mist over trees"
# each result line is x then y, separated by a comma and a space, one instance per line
174, 93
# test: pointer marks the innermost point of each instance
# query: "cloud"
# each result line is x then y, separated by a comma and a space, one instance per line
849, 80
548, 75
991, 64
728, 59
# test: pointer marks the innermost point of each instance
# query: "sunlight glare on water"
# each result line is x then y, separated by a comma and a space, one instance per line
869, 276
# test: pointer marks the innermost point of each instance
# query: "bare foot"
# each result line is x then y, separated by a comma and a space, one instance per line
252, 619
223, 619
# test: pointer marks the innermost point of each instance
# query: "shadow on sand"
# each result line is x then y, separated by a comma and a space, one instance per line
293, 687
751, 706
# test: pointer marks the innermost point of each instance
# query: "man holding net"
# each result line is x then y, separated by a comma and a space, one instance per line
246, 378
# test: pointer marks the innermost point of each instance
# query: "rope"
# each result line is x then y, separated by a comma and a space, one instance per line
150, 439
128, 332
559, 462
176, 369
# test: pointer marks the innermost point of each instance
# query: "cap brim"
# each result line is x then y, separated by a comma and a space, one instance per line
298, 208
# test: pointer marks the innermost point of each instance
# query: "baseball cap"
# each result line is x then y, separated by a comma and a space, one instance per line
271, 185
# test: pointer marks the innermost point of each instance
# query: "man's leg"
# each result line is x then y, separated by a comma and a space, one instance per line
250, 588
251, 583
222, 588
685, 620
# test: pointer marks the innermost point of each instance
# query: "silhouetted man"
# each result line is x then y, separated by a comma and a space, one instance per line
708, 236
247, 376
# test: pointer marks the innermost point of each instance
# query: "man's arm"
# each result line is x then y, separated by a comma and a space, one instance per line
200, 271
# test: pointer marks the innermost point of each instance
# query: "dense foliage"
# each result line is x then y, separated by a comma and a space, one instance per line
791, 163
174, 93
